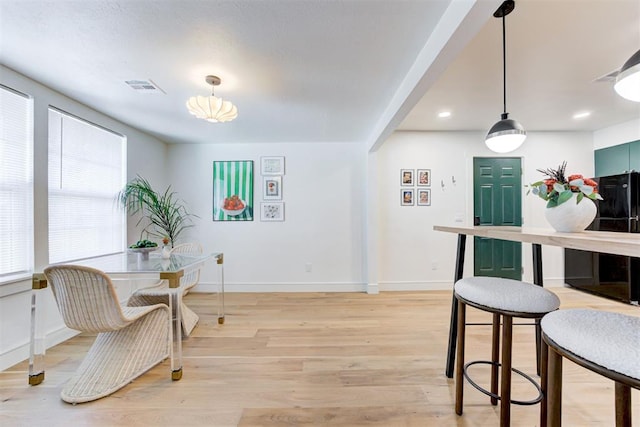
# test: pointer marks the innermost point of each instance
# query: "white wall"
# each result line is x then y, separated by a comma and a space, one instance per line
323, 193
416, 257
146, 155
618, 134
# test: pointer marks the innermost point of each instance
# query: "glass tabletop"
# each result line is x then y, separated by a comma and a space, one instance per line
134, 263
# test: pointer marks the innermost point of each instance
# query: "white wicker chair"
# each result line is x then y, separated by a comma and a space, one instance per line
158, 293
130, 341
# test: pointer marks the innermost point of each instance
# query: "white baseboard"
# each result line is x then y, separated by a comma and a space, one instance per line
549, 282
21, 353
282, 287
373, 288
415, 286
370, 288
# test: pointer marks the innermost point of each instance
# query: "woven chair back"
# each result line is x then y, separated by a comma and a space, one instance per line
86, 298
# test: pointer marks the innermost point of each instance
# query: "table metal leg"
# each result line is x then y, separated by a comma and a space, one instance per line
453, 323
537, 263
537, 279
37, 347
220, 261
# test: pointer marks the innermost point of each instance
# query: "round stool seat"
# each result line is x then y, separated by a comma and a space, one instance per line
611, 340
506, 295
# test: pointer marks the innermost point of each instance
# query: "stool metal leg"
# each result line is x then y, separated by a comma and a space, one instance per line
505, 381
460, 357
495, 353
538, 346
554, 389
544, 371
623, 405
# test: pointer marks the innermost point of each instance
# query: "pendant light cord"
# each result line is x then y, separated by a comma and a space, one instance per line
504, 65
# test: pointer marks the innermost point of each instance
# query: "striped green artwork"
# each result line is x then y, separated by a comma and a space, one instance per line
233, 190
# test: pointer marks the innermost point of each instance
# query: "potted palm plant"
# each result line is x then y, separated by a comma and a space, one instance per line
166, 215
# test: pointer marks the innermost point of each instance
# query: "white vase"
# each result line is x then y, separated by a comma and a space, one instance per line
166, 252
571, 216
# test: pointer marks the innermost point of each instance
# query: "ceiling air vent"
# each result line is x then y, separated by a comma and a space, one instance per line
144, 86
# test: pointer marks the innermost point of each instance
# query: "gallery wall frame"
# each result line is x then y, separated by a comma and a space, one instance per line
406, 177
407, 197
272, 165
272, 211
424, 197
272, 188
233, 190
424, 177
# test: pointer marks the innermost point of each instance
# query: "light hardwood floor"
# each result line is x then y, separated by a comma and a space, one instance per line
322, 359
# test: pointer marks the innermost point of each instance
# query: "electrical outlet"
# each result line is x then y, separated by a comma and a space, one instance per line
307, 267
434, 265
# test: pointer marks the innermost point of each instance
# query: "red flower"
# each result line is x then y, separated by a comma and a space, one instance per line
549, 183
591, 183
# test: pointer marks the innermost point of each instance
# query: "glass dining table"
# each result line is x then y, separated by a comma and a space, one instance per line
130, 267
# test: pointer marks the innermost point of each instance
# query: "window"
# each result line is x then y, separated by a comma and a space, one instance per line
16, 184
86, 172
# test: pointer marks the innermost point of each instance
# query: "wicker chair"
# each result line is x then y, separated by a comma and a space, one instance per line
130, 340
158, 293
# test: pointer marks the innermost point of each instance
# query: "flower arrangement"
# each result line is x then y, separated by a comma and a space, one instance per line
557, 188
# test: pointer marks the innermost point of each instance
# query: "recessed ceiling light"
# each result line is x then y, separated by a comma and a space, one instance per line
444, 114
581, 115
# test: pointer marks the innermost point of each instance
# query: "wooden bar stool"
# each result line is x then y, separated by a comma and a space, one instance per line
603, 342
506, 299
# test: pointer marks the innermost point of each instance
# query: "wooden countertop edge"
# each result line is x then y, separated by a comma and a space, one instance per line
598, 241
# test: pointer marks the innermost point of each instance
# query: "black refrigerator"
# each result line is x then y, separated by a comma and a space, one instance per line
611, 276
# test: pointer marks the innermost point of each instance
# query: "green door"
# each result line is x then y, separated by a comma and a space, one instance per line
497, 200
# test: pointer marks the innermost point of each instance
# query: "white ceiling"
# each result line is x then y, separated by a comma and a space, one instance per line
330, 70
555, 51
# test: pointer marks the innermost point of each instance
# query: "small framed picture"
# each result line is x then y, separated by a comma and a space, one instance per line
424, 177
406, 197
424, 197
272, 211
406, 177
272, 188
272, 165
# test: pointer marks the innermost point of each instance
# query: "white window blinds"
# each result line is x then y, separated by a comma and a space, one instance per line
86, 172
16, 184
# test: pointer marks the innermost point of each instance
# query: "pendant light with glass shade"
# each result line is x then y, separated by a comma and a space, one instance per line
507, 134
628, 80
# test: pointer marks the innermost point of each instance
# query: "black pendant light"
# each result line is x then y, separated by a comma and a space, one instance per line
507, 134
